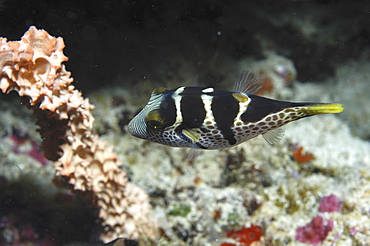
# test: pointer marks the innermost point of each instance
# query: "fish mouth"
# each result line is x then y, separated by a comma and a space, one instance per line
134, 134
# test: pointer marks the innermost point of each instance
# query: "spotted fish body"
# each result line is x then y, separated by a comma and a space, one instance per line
209, 118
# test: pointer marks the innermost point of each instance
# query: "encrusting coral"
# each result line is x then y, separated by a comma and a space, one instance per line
33, 68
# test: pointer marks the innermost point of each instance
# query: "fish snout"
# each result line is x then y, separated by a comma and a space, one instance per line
137, 128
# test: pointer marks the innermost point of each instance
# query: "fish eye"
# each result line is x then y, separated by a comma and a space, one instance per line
155, 120
155, 124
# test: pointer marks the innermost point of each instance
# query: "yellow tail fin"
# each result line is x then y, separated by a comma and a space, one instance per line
333, 108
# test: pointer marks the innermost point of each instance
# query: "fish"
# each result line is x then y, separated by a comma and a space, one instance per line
210, 118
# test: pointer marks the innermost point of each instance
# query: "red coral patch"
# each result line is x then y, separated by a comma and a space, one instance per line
301, 157
245, 236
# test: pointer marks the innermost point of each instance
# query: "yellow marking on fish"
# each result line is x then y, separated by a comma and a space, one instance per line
324, 109
240, 98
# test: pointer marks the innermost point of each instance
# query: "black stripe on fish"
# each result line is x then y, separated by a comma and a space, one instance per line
192, 108
225, 109
168, 109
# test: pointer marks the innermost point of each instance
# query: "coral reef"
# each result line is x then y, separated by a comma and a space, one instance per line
278, 188
33, 68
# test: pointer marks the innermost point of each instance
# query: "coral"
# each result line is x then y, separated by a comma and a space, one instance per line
245, 236
315, 232
330, 204
33, 68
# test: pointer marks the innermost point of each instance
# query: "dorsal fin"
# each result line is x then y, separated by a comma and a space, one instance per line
274, 136
246, 83
159, 90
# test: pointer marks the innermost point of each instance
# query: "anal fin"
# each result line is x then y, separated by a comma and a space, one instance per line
274, 136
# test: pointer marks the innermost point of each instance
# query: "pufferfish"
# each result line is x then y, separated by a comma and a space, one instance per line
210, 118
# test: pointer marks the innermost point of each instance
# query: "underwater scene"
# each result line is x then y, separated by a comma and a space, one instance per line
200, 123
